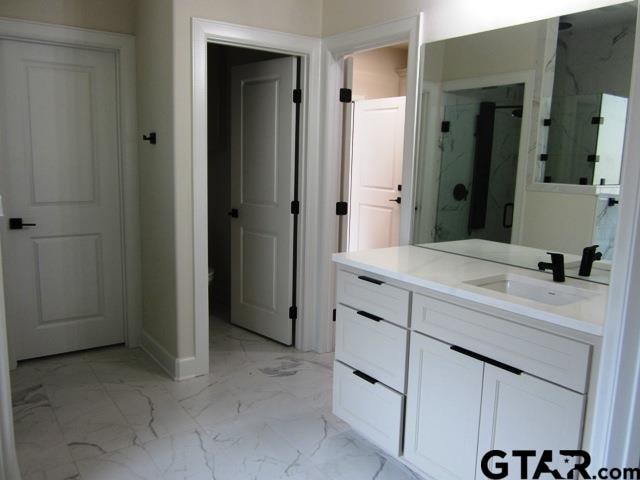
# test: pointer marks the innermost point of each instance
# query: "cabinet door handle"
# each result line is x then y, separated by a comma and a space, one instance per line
365, 377
370, 316
370, 280
488, 360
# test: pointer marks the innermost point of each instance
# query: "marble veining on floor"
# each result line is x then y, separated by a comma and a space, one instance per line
264, 412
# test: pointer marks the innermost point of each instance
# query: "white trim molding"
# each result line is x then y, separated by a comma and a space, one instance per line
177, 368
335, 48
308, 48
123, 47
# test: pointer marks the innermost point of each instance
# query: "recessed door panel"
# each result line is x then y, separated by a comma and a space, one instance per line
60, 133
259, 269
378, 222
77, 259
260, 142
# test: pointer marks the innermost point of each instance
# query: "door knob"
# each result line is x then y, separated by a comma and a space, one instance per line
233, 213
18, 224
398, 200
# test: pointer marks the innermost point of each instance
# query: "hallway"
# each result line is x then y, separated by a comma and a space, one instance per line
264, 412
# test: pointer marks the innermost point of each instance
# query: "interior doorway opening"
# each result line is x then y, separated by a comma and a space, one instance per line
373, 137
253, 133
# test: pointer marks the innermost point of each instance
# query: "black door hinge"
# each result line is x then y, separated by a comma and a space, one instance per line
597, 120
293, 312
295, 207
335, 314
342, 208
297, 95
445, 126
346, 95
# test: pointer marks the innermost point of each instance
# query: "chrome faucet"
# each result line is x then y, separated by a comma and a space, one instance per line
556, 266
589, 255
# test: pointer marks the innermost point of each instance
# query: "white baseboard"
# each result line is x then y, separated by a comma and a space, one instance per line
177, 368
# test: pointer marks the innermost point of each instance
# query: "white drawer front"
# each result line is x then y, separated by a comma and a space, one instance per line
551, 357
376, 348
361, 293
373, 410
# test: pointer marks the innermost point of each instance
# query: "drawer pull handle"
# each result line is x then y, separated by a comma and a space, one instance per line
370, 316
488, 360
365, 377
371, 280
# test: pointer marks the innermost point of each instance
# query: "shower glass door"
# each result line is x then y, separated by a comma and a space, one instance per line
480, 144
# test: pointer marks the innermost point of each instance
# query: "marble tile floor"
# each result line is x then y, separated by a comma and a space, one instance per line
264, 412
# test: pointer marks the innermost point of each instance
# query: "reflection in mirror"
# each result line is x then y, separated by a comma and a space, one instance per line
591, 83
521, 140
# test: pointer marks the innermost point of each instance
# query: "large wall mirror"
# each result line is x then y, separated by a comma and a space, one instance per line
521, 140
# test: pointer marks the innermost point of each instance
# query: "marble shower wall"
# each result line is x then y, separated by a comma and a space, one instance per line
593, 58
606, 223
458, 150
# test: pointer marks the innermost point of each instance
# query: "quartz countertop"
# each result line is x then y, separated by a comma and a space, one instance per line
449, 273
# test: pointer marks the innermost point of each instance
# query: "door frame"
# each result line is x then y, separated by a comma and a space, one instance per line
527, 78
123, 48
335, 49
308, 48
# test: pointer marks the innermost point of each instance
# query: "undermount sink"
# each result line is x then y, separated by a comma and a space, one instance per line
540, 291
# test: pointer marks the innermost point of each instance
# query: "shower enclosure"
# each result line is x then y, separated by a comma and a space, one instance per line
480, 142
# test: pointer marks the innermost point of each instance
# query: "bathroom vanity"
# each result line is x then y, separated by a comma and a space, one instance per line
441, 358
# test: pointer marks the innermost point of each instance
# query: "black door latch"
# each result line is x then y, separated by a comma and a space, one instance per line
18, 224
233, 213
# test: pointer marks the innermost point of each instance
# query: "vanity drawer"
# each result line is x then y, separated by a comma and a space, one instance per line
372, 346
550, 357
372, 295
372, 409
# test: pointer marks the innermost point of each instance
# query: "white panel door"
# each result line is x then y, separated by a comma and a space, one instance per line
444, 393
376, 173
262, 156
521, 412
60, 171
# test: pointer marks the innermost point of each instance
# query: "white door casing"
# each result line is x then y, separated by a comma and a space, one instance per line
64, 277
262, 160
376, 173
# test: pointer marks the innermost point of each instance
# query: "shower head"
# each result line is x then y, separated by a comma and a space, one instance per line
564, 25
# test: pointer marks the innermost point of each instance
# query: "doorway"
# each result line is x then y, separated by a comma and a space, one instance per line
253, 129
374, 146
479, 144
64, 249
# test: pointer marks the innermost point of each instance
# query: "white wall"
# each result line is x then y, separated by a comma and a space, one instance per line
109, 15
375, 73
559, 221
157, 198
448, 18
8, 460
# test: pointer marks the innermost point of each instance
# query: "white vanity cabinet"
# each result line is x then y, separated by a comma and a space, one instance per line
438, 382
459, 407
371, 356
443, 410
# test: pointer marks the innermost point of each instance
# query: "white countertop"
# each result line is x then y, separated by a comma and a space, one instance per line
447, 273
